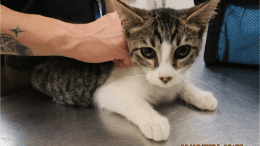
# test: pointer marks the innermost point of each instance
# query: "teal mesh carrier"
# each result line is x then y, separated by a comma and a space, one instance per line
233, 36
239, 36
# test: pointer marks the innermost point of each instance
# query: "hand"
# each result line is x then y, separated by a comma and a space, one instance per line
100, 41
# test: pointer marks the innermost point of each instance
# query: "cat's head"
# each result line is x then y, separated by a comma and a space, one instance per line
165, 42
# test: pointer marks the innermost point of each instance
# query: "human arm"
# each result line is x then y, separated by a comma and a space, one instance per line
47, 36
32, 33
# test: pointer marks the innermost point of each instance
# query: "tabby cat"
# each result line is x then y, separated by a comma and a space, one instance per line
163, 44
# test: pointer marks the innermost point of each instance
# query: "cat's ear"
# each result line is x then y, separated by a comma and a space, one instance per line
201, 14
129, 15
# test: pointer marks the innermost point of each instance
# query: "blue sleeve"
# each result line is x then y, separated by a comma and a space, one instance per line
96, 8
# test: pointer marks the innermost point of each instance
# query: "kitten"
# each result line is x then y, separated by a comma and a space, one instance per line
163, 44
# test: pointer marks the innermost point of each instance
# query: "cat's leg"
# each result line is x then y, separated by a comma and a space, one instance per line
201, 99
120, 100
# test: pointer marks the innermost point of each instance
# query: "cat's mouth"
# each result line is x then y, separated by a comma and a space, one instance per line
165, 85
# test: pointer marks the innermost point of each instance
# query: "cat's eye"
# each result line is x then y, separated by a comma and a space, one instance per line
148, 53
182, 52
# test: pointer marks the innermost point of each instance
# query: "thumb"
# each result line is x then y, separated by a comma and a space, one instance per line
127, 61
116, 63
120, 63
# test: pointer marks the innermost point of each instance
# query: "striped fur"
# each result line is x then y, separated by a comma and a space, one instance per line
72, 82
69, 81
163, 25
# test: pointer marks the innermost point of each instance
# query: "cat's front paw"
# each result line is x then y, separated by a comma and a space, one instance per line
157, 129
207, 101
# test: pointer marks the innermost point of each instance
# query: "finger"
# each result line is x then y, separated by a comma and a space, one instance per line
127, 61
119, 63
116, 63
124, 58
125, 55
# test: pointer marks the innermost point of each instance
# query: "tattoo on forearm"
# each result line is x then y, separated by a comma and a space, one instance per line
16, 30
11, 46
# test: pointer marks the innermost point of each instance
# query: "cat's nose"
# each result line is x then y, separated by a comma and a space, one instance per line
165, 79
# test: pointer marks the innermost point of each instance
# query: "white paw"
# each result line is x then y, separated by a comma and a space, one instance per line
207, 101
157, 129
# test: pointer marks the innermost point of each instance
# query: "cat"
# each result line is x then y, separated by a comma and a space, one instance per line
163, 44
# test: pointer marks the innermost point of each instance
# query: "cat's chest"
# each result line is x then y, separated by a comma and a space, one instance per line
133, 80
159, 94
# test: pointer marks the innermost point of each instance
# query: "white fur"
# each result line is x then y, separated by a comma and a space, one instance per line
165, 69
131, 91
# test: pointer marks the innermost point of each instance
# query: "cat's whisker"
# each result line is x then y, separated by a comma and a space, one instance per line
188, 33
177, 79
148, 87
217, 81
136, 77
191, 37
186, 100
204, 83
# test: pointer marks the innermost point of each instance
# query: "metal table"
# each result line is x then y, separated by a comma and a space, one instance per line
29, 117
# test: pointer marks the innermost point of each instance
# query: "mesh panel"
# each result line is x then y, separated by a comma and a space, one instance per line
239, 36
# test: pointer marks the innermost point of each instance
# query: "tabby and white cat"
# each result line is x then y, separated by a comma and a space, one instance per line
163, 44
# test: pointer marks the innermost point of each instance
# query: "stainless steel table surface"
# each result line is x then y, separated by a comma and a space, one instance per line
29, 117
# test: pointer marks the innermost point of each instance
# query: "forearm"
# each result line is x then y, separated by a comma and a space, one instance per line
28, 34
99, 41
